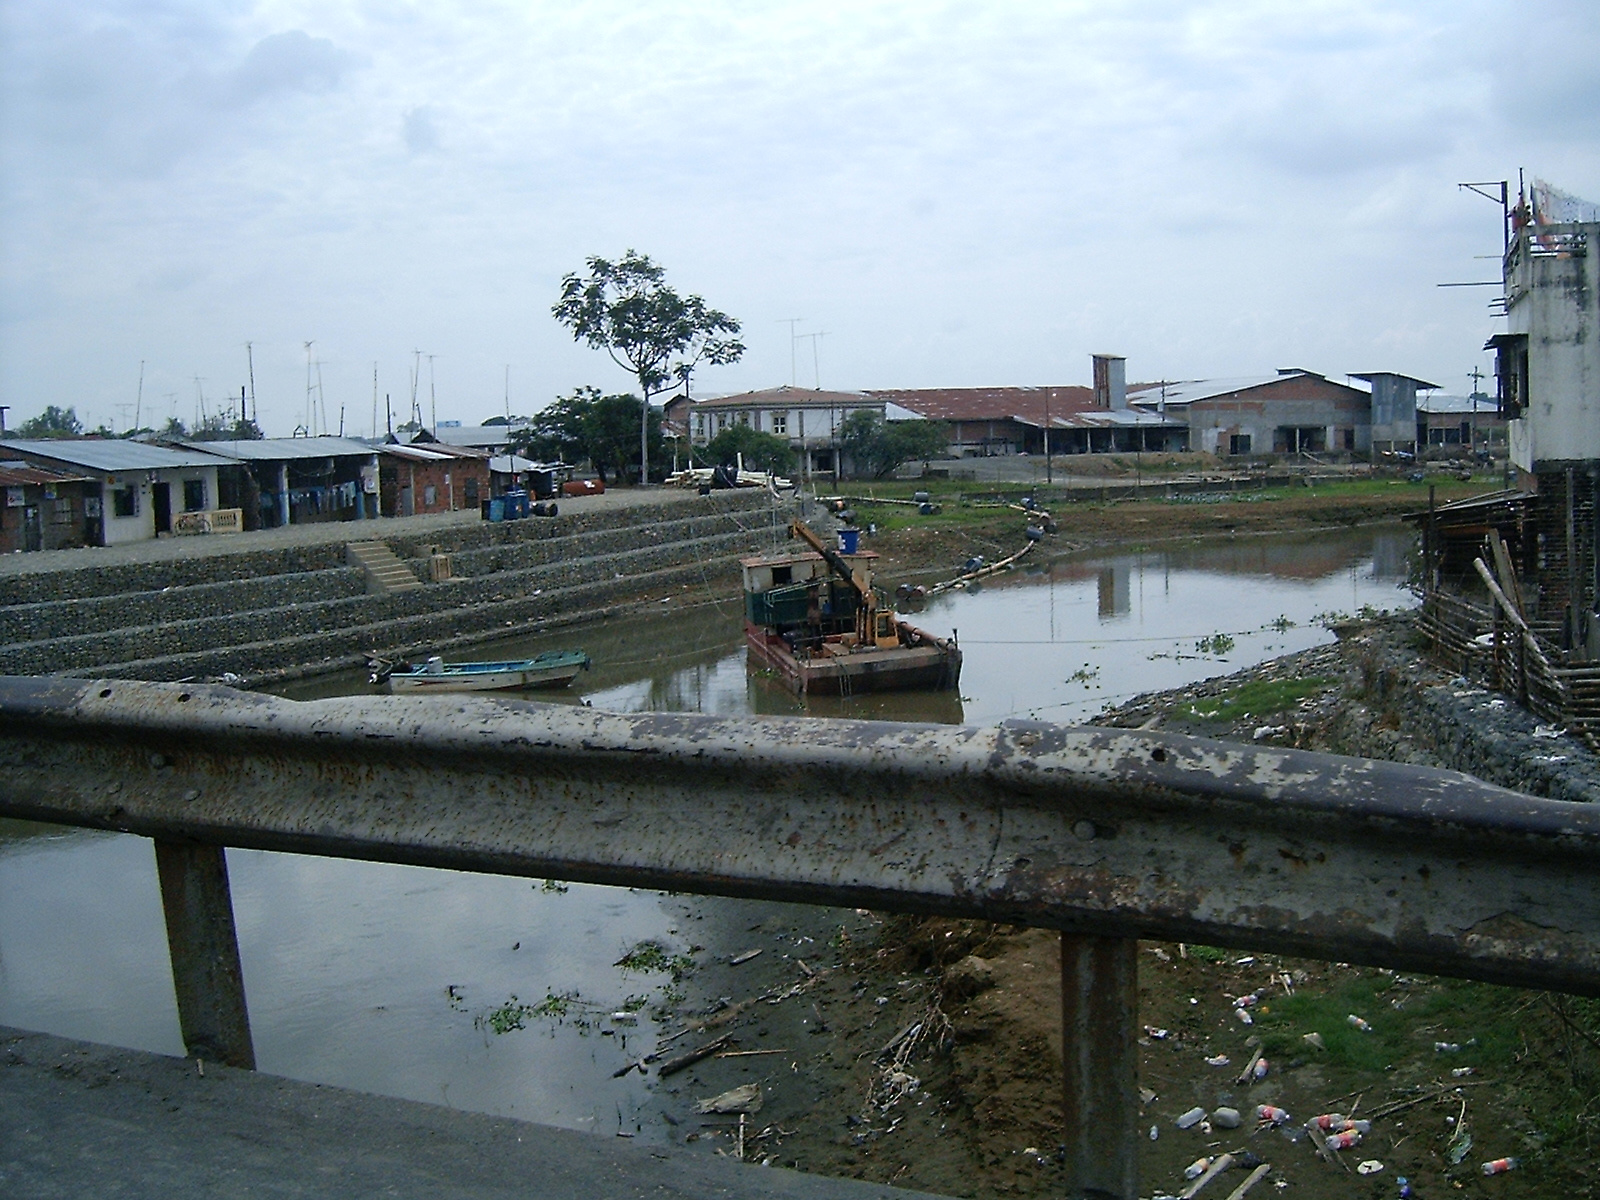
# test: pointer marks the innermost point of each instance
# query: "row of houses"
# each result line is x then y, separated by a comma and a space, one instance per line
102, 492
1289, 412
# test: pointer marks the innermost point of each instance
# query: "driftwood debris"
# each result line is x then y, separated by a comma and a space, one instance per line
1255, 1177
687, 1059
1221, 1163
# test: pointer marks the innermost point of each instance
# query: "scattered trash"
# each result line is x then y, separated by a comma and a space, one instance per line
1360, 1024
1247, 1001
1370, 1167
1344, 1139
1160, 1035
1271, 1114
1548, 731
1313, 1039
1266, 731
1198, 1168
1447, 1047
1226, 1118
738, 959
744, 1099
1405, 1188
1155, 1133
1249, 960
1259, 1071
1218, 1060
1459, 1145
1460, 1072
1501, 1165
1191, 1118
1244, 1016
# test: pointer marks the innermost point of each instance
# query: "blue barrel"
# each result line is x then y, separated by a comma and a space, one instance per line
849, 540
497, 509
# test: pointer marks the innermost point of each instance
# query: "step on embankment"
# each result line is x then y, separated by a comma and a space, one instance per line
294, 622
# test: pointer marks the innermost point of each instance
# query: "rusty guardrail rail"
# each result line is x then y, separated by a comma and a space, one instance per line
1108, 835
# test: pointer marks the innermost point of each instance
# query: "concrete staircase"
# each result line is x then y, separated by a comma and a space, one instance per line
385, 573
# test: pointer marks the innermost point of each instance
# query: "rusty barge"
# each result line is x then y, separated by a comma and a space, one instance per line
816, 620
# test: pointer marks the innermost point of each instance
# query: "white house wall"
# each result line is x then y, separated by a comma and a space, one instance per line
1555, 300
141, 527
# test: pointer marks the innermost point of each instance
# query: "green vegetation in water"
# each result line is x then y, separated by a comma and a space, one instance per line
1085, 675
1216, 643
514, 1014
651, 957
1260, 697
555, 886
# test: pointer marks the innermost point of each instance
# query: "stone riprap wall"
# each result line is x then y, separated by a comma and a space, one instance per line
121, 579
516, 574
47, 620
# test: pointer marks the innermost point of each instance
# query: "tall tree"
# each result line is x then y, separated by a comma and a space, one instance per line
53, 422
761, 451
627, 309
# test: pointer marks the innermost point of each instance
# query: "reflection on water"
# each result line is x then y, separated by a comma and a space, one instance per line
377, 977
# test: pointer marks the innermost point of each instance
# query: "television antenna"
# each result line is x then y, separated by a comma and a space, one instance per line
311, 410
250, 358
816, 368
791, 322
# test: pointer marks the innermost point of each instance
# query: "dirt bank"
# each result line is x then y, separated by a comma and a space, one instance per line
926, 1052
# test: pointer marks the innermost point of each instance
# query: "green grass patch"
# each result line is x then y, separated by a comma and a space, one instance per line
651, 957
1482, 1019
1261, 697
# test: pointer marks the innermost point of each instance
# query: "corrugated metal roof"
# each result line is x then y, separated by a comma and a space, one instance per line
109, 455
476, 435
18, 474
1190, 390
1484, 406
284, 449
788, 397
1025, 404
419, 453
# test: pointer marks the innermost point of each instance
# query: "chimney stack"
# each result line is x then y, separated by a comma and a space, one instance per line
1110, 381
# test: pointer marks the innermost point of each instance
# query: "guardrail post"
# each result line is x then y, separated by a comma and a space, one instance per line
205, 953
1100, 1066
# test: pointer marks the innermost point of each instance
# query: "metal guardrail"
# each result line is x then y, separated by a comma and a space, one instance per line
1107, 835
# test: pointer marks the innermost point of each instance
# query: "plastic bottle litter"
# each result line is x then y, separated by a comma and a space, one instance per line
1501, 1165
1268, 1112
1460, 1072
1157, 1033
1447, 1047
1155, 1133
1359, 1023
1405, 1188
1344, 1139
1327, 1122
1226, 1118
1217, 1060
1191, 1118
1313, 1039
1260, 1069
1244, 1016
1247, 1001
1198, 1168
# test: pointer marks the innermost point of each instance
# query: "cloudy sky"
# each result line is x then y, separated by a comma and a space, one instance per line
953, 194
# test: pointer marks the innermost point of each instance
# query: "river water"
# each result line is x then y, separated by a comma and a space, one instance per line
400, 980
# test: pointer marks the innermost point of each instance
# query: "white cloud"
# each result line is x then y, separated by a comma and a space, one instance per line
1208, 187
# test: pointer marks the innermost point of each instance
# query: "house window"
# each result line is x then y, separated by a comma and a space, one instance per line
470, 489
744, 418
63, 511
700, 424
1238, 443
194, 495
722, 422
429, 495
125, 501
780, 424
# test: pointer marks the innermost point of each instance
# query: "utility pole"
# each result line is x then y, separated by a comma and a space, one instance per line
250, 357
416, 382
4, 409
311, 411
433, 400
138, 401
1049, 476
374, 400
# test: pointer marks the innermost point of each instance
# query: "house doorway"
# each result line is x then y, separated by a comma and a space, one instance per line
161, 505
32, 528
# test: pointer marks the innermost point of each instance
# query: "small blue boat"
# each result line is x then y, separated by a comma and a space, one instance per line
554, 668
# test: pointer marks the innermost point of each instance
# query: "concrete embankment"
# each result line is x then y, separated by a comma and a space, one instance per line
281, 610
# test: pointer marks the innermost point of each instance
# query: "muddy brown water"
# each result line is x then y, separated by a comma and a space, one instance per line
502, 996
